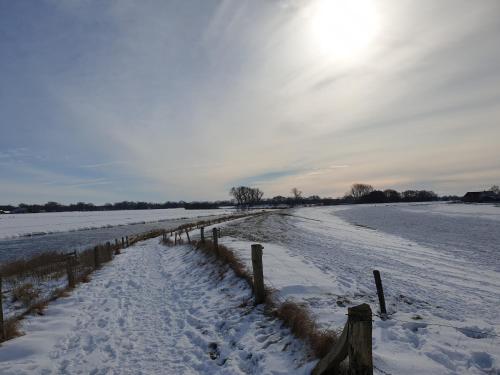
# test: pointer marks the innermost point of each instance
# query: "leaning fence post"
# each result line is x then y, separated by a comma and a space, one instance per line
380, 293
187, 235
202, 234
2, 326
215, 238
96, 256
258, 274
360, 340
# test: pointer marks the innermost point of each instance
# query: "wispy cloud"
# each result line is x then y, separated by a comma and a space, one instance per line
181, 101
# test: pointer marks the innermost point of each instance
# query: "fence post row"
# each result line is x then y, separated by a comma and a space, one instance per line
2, 326
380, 293
258, 274
355, 342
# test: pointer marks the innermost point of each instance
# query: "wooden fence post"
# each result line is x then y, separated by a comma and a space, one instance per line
2, 326
380, 293
96, 256
126, 239
215, 238
109, 253
187, 235
69, 270
116, 242
202, 234
359, 348
123, 243
355, 342
219, 232
258, 274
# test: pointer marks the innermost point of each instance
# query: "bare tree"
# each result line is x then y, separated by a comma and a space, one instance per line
495, 189
360, 190
246, 196
297, 194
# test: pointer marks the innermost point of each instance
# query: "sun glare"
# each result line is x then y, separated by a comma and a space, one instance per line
343, 29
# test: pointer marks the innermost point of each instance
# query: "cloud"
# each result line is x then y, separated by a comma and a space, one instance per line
181, 100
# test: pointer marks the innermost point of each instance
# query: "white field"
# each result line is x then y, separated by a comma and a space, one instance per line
41, 223
155, 310
440, 269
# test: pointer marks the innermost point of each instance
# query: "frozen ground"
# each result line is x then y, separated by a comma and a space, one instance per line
42, 223
155, 310
439, 265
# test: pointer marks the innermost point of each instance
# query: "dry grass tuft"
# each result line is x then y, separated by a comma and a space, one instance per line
11, 327
299, 319
25, 293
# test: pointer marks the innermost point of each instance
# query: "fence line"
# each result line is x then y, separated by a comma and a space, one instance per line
74, 266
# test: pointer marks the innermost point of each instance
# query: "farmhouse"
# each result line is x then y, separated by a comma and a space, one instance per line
481, 197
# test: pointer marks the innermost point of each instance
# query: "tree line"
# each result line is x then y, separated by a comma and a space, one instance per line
245, 197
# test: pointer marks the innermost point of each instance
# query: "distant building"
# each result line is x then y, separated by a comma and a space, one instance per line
481, 197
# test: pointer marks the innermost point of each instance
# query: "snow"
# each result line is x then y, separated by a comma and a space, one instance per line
155, 310
15, 225
324, 257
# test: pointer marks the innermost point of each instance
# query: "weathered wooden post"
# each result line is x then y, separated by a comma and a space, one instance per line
355, 342
359, 348
380, 293
126, 239
175, 238
69, 270
258, 274
116, 242
96, 256
215, 238
219, 232
187, 235
202, 234
2, 326
123, 243
109, 253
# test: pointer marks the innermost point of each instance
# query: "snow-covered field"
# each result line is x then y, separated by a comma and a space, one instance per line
155, 310
158, 310
32, 224
440, 269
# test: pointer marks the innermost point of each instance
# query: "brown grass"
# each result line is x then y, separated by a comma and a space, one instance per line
25, 293
300, 321
11, 327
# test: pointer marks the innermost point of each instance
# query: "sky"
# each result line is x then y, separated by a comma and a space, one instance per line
103, 101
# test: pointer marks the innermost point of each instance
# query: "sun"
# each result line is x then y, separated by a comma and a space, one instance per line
343, 29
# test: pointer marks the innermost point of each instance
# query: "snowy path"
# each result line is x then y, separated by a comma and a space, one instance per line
154, 310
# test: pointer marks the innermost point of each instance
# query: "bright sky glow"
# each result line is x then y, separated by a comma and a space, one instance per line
344, 29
